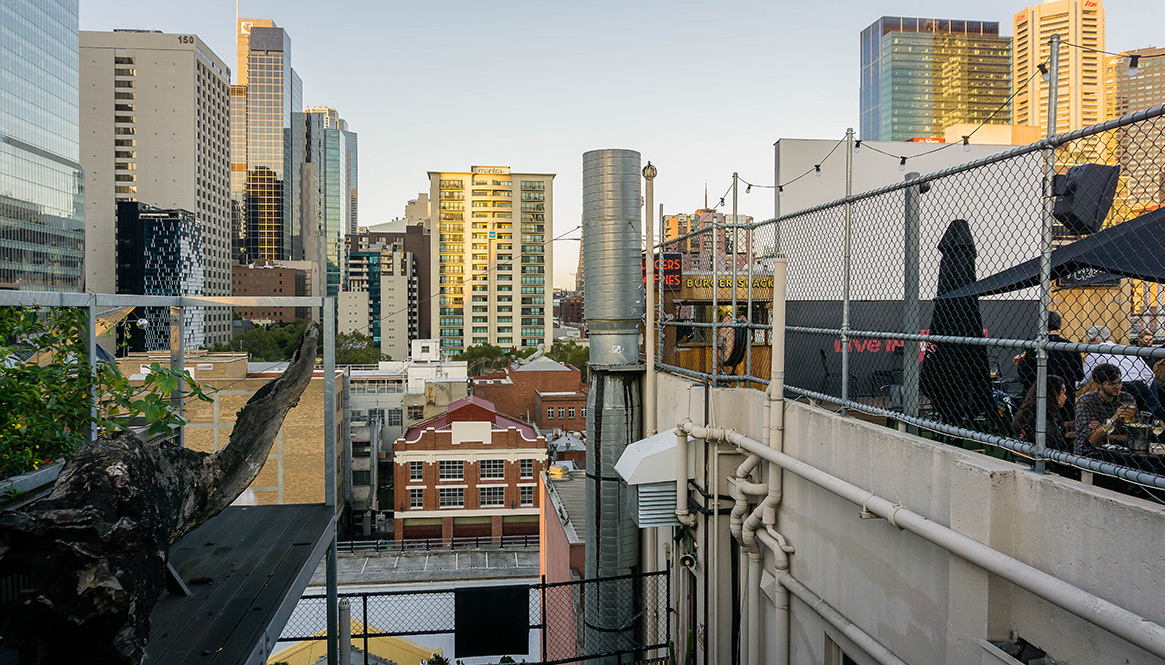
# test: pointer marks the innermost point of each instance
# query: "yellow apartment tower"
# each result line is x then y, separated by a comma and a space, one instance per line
1082, 90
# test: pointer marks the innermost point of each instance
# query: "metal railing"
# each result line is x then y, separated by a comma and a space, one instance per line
1014, 236
425, 544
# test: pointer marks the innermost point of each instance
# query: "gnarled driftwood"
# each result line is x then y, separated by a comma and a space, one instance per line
96, 548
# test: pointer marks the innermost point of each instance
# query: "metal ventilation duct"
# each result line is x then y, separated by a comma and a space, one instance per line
613, 305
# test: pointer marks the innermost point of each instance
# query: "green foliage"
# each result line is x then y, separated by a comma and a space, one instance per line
438, 659
573, 354
484, 358
270, 344
46, 389
357, 349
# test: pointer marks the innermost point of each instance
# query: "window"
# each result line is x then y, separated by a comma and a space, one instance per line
493, 469
416, 498
394, 417
527, 495
450, 497
549, 412
492, 496
416, 471
527, 468
416, 412
561, 412
583, 412
451, 470
570, 412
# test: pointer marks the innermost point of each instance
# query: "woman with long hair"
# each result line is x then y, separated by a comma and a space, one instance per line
1024, 423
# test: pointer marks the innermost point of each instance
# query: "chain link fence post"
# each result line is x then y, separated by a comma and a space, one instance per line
846, 268
912, 314
1049, 155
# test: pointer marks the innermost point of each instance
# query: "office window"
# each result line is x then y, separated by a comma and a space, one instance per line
583, 412
570, 412
450, 497
493, 469
416, 412
394, 417
527, 467
561, 412
492, 496
416, 498
527, 495
549, 412
451, 470
416, 471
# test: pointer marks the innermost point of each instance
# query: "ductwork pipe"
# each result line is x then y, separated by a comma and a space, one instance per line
682, 514
1120, 622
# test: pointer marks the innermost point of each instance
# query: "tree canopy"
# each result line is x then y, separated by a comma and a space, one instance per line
571, 354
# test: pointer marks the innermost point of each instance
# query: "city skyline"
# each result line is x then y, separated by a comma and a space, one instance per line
596, 84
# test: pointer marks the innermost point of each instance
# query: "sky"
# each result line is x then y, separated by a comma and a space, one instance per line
701, 89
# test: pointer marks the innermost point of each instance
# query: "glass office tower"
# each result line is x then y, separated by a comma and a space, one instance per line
920, 76
337, 191
42, 232
266, 146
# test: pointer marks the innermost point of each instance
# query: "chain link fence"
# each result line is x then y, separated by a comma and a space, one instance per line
621, 619
930, 301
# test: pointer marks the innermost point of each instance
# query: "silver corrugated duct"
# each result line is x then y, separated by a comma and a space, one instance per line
611, 252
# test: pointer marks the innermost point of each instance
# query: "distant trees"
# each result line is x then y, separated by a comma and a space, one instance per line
357, 349
571, 354
483, 358
270, 344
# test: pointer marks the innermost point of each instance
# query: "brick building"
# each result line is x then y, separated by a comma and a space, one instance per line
270, 280
569, 309
547, 393
469, 472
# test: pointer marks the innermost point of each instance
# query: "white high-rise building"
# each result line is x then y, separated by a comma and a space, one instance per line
155, 128
493, 260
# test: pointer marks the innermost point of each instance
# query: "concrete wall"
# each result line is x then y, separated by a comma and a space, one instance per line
926, 605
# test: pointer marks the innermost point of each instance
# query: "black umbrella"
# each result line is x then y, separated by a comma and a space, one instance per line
956, 377
1135, 249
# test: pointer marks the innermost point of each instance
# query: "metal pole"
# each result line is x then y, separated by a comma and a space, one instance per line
735, 258
177, 361
750, 258
364, 620
659, 302
911, 315
1046, 260
92, 339
777, 197
542, 589
715, 302
845, 280
330, 471
345, 624
649, 173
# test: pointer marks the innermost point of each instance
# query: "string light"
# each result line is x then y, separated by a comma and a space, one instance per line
780, 190
857, 146
967, 143
817, 167
748, 190
1134, 60
721, 204
902, 164
1044, 74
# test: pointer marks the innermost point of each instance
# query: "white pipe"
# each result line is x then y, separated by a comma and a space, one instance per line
776, 389
753, 591
864, 640
682, 514
1116, 620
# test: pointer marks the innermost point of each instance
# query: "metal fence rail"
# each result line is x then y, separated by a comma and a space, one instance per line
569, 630
1067, 229
423, 544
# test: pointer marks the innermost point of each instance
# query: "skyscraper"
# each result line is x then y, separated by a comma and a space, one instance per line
267, 144
155, 128
42, 184
1081, 95
338, 191
1139, 152
921, 75
492, 276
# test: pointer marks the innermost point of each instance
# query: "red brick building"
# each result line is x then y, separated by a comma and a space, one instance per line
469, 472
547, 393
266, 280
569, 309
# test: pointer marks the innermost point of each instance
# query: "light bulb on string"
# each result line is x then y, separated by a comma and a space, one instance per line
817, 167
1044, 73
748, 190
1134, 60
966, 144
857, 146
902, 164
780, 190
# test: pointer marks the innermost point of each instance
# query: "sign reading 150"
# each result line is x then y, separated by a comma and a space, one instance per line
185, 39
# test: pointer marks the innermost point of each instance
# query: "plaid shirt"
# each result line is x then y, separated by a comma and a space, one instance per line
1093, 407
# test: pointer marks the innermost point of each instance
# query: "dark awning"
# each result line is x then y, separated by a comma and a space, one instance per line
1133, 249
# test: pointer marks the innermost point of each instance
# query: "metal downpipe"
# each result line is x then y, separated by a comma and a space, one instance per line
682, 514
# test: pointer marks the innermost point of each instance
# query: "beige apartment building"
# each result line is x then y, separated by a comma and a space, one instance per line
1082, 91
493, 258
155, 128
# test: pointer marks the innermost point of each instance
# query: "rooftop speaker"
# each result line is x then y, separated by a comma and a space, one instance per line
1084, 196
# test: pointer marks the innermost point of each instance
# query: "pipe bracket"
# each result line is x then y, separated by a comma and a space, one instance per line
893, 512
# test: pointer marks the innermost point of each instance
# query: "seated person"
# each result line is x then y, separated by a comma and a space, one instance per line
1098, 411
1136, 374
1024, 423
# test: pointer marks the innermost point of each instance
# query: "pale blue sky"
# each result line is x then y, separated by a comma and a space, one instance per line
701, 89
